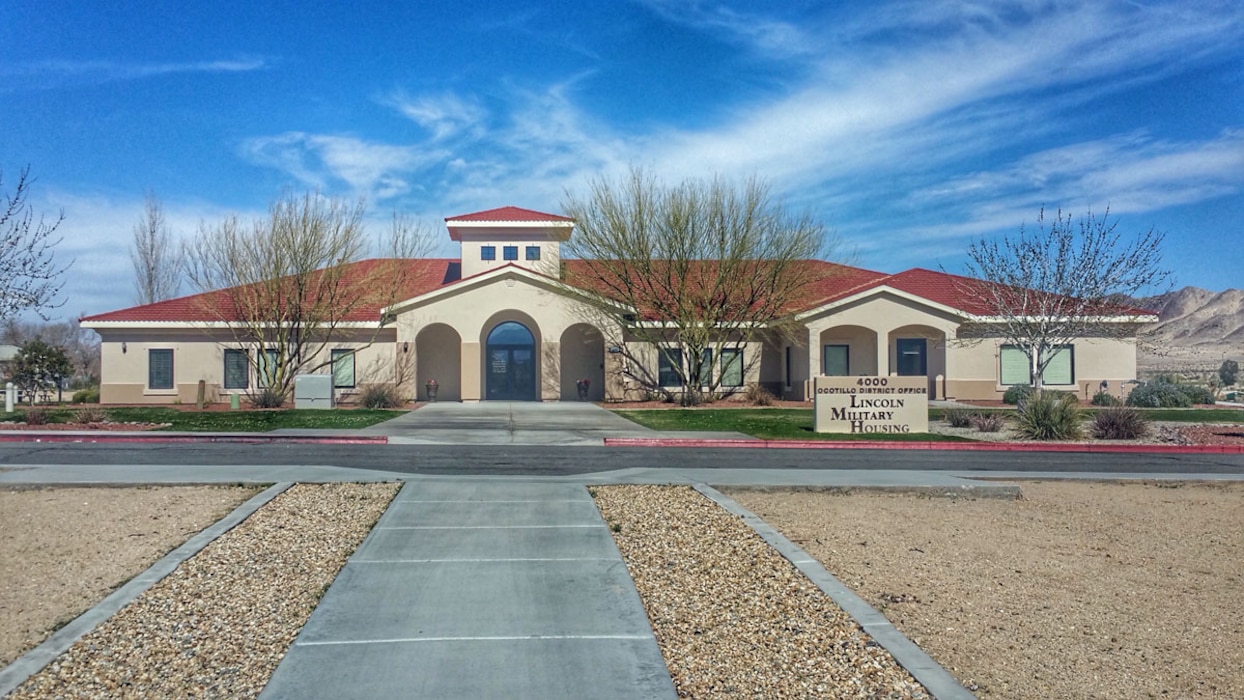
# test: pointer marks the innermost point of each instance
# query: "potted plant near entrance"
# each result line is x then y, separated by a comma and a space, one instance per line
583, 385
431, 387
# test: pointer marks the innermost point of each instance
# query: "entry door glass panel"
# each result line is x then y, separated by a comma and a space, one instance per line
912, 357
511, 371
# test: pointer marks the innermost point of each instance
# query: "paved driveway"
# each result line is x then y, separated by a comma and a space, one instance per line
509, 423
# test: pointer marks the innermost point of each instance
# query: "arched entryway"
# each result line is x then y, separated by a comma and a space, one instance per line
582, 357
510, 363
438, 357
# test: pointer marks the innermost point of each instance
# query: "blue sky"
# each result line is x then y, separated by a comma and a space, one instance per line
908, 127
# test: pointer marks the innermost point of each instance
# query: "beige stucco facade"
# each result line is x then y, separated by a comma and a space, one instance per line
510, 329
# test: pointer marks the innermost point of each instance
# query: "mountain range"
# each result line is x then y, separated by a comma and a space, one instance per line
1196, 330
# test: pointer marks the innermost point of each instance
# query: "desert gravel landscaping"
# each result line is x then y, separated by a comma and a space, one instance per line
64, 549
220, 623
1101, 590
734, 618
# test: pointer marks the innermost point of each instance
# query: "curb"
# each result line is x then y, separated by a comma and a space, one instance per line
36, 659
936, 679
929, 446
259, 438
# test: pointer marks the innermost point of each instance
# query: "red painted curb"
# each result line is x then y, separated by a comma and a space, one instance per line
209, 438
935, 446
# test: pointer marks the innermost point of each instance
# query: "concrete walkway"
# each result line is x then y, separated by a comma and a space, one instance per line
475, 589
515, 423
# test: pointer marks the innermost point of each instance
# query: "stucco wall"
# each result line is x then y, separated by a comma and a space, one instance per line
974, 373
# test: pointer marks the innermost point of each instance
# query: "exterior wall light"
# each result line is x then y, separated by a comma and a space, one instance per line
123, 348
614, 350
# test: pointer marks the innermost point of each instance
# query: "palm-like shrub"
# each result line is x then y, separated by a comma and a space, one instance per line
1049, 416
1119, 423
987, 422
958, 417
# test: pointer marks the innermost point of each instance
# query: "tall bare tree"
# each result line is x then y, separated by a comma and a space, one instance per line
157, 265
697, 269
1067, 279
291, 285
30, 278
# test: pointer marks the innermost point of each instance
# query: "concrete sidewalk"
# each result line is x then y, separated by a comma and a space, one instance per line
475, 589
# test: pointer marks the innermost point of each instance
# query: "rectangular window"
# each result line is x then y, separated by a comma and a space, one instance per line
343, 369
160, 369
669, 363
237, 370
268, 364
488, 252
533, 252
706, 367
510, 252
836, 361
732, 367
1015, 367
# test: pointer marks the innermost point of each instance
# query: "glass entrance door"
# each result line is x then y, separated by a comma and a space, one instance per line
510, 374
912, 357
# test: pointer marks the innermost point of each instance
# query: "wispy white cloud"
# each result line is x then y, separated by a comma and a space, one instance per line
54, 72
442, 115
323, 161
769, 36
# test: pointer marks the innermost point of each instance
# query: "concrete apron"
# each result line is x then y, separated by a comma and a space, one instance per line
508, 423
472, 589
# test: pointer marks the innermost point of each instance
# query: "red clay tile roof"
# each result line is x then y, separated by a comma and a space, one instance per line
509, 214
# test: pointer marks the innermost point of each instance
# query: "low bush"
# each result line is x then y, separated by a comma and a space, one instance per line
1197, 394
958, 417
90, 414
1161, 394
758, 395
37, 415
987, 422
1050, 415
380, 396
87, 395
1103, 398
268, 398
1119, 423
1016, 393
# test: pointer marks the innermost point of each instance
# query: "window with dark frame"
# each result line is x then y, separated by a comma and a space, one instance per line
510, 252
343, 369
1015, 369
160, 368
836, 360
488, 252
706, 367
669, 362
533, 252
237, 369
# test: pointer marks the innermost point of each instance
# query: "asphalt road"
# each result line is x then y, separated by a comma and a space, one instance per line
559, 461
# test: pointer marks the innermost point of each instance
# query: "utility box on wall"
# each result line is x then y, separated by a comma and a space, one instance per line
313, 391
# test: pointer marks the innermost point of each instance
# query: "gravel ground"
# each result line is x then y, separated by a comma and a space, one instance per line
220, 623
734, 618
64, 549
1101, 590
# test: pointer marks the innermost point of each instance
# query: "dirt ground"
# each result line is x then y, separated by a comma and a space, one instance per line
64, 549
1102, 590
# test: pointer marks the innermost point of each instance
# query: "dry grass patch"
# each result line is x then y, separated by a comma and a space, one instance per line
1103, 590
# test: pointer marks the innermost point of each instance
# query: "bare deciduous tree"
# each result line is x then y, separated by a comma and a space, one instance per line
30, 278
1066, 280
157, 266
697, 270
295, 283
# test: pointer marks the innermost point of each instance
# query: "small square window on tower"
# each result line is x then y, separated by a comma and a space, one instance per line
488, 252
510, 252
533, 252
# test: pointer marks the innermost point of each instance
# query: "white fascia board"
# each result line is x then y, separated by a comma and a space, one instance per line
879, 290
486, 278
1136, 318
508, 224
173, 325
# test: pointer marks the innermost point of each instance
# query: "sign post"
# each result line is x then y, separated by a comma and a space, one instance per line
871, 404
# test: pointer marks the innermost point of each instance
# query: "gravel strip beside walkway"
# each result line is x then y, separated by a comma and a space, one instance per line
220, 623
732, 616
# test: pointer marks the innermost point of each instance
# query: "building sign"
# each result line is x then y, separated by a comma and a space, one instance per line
871, 404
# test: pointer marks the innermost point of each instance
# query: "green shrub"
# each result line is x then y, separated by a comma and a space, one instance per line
268, 397
958, 417
90, 414
1228, 371
1119, 423
380, 396
38, 415
1161, 395
1050, 415
1015, 393
87, 395
1103, 398
988, 422
1197, 394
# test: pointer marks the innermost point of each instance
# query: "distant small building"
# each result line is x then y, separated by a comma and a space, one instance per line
506, 321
